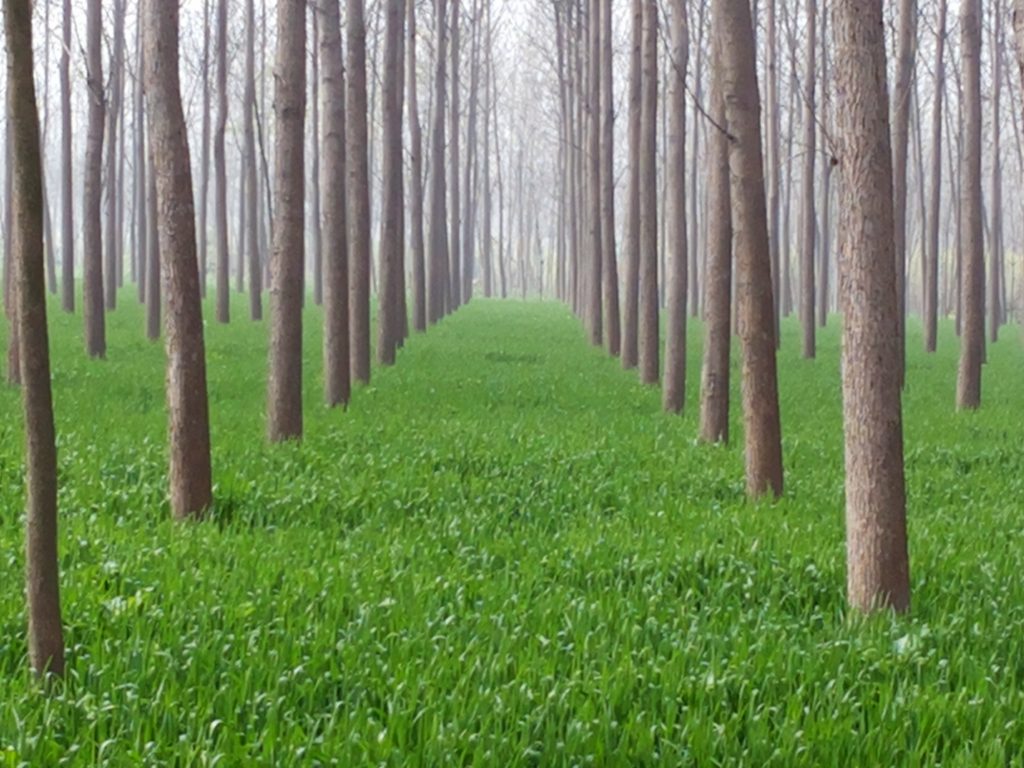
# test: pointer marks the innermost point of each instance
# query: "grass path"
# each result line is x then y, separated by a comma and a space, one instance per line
505, 554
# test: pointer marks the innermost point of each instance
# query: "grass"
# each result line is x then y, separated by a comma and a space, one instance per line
504, 554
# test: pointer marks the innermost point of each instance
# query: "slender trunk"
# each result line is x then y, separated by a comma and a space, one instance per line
359, 194
632, 282
438, 286
808, 223
249, 168
931, 291
113, 136
67, 254
92, 239
153, 283
204, 161
648, 296
419, 286
610, 270
900, 141
220, 169
996, 196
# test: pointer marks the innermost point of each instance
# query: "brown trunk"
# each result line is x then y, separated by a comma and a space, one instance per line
249, 168
454, 204
284, 385
968, 386
876, 531
153, 281
358, 194
438, 287
610, 270
67, 254
632, 282
714, 385
996, 197
113, 137
188, 412
648, 296
773, 159
204, 161
900, 141
220, 171
419, 286
92, 240
674, 391
337, 377
808, 222
931, 292
314, 175
42, 577
753, 261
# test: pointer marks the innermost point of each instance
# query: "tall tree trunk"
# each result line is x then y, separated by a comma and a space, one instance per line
92, 239
695, 222
674, 391
392, 219
825, 244
419, 285
249, 169
610, 270
67, 253
204, 155
632, 281
359, 194
648, 297
931, 292
42, 578
220, 169
140, 183
762, 429
113, 115
153, 282
454, 204
488, 249
714, 386
808, 222
900, 141
187, 406
314, 176
773, 159
996, 196
972, 342
438, 274
878, 573
470, 168
337, 375
284, 385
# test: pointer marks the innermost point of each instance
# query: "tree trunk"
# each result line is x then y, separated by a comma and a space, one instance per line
92, 240
220, 169
67, 255
753, 261
42, 577
674, 391
996, 197
284, 387
392, 219
249, 168
153, 281
204, 161
632, 282
931, 293
140, 183
773, 158
359, 194
877, 566
972, 341
419, 286
715, 372
648, 296
188, 411
113, 137
808, 222
610, 270
454, 204
337, 376
314, 176
438, 287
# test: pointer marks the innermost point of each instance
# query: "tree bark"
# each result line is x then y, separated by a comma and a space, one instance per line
337, 376
187, 406
972, 340
249, 169
42, 578
419, 285
358, 194
931, 294
808, 222
220, 169
153, 279
284, 387
877, 565
753, 261
610, 271
113, 115
648, 296
204, 161
438, 287
92, 239
674, 390
632, 279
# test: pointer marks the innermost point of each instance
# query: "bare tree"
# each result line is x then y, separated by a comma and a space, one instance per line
42, 577
878, 569
249, 167
756, 319
284, 386
674, 391
187, 406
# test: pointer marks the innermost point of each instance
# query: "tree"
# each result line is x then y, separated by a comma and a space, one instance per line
808, 222
113, 116
632, 278
756, 318
392, 219
220, 180
648, 296
674, 391
876, 531
931, 292
359, 194
249, 167
593, 172
204, 157
454, 198
153, 281
67, 253
337, 377
438, 277
284, 387
45, 632
972, 338
187, 406
610, 271
715, 373
900, 140
419, 286
92, 240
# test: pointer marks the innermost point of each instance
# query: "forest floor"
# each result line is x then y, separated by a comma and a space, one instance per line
505, 554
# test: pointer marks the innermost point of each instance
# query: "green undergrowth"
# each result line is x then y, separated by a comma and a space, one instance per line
504, 554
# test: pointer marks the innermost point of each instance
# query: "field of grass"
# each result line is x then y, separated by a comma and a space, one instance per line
504, 554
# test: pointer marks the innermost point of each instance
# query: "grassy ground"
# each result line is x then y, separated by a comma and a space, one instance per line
504, 555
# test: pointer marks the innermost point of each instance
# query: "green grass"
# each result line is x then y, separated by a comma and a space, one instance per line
504, 554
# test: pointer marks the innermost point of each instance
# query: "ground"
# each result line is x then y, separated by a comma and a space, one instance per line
505, 554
